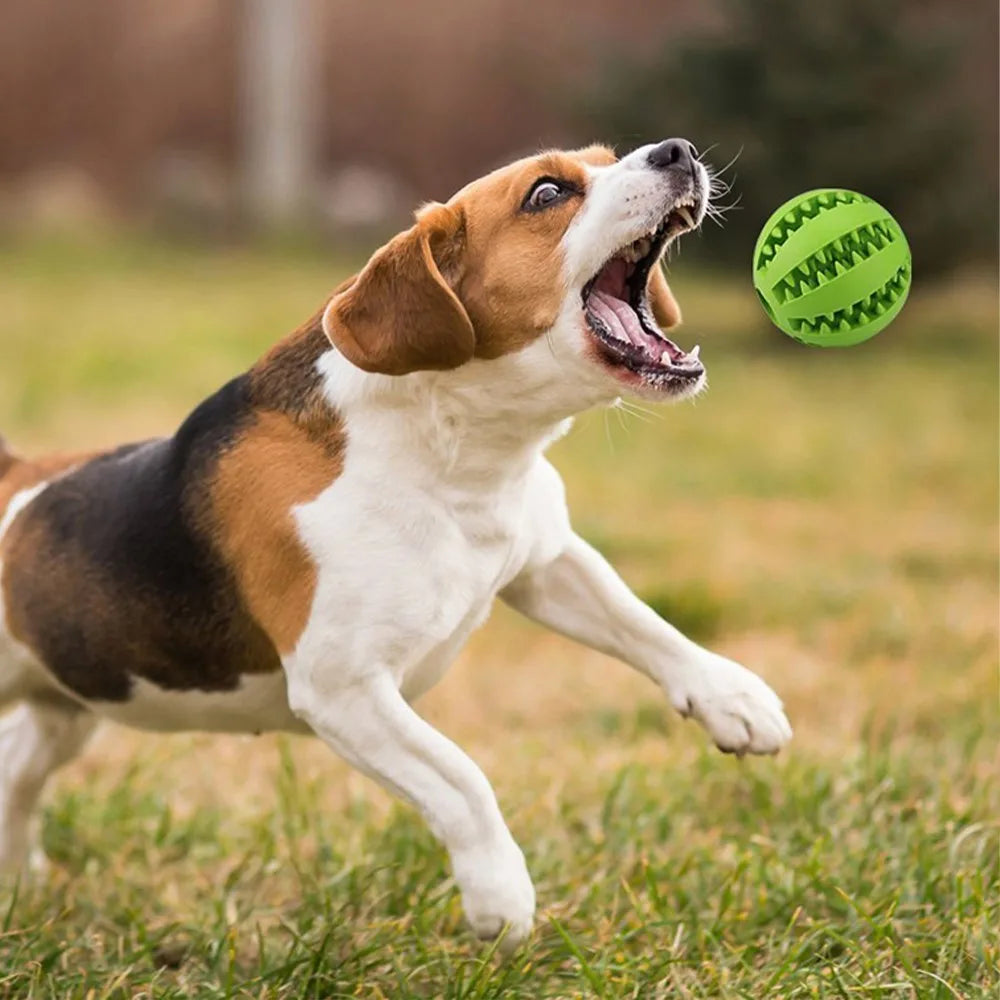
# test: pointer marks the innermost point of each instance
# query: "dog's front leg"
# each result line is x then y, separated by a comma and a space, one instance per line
371, 726
578, 594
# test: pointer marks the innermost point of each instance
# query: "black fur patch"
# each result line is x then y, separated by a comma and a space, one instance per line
112, 573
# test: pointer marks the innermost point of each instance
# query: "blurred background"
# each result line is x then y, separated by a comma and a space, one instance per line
341, 115
182, 183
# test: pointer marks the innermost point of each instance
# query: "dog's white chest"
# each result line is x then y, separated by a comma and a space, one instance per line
415, 679
406, 580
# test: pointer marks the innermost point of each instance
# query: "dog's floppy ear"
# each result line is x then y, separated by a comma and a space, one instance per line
400, 315
665, 308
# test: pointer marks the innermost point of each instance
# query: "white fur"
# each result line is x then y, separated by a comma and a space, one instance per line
445, 502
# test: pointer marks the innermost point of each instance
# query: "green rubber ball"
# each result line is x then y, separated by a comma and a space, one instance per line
832, 268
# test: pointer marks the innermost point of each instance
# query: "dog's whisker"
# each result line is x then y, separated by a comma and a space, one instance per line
637, 407
551, 344
717, 186
638, 412
721, 170
714, 208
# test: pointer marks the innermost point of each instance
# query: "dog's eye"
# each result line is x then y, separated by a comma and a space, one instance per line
545, 192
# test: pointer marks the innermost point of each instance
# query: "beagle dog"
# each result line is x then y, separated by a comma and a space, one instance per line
313, 546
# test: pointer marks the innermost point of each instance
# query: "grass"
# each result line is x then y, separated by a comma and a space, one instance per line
828, 518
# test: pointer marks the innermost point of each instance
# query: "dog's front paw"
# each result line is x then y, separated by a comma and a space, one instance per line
497, 894
741, 713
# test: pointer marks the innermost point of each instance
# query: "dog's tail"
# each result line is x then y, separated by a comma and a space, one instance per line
7, 457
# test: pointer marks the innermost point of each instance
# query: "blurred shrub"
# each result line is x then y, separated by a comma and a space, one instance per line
850, 94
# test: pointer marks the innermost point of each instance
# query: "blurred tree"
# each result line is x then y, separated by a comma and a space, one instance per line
278, 98
846, 94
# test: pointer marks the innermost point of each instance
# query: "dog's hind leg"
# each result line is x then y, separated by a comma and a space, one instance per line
36, 739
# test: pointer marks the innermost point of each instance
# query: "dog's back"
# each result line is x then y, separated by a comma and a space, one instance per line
111, 576
117, 566
106, 573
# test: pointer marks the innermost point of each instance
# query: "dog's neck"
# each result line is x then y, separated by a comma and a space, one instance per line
460, 430
479, 424
287, 380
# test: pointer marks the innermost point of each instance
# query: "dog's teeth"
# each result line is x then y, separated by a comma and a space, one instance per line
638, 249
665, 358
686, 215
694, 352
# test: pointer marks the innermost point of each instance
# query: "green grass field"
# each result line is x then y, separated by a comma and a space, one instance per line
828, 518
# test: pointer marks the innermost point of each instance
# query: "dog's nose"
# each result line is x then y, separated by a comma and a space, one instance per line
673, 153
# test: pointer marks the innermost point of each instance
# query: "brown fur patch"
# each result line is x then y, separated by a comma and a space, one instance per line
512, 271
275, 465
400, 315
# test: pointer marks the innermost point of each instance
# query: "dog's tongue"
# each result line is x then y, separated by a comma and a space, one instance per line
620, 318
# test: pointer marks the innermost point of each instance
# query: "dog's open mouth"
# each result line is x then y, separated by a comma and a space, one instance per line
617, 310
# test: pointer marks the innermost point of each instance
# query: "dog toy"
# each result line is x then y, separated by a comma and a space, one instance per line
832, 268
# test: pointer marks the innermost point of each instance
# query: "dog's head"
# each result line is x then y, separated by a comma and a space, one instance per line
550, 265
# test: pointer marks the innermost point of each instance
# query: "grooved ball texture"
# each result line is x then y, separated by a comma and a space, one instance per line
831, 268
